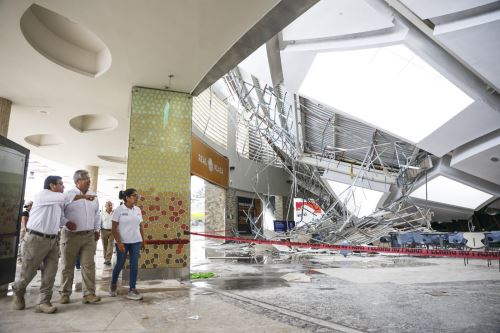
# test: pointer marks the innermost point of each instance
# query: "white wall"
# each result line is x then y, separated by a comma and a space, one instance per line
244, 177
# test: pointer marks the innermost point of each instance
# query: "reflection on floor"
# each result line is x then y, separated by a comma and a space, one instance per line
257, 289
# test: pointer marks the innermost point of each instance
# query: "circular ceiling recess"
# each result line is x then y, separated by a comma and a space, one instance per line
65, 42
114, 159
93, 122
43, 140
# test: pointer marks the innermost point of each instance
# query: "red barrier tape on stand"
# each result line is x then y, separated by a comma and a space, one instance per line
486, 255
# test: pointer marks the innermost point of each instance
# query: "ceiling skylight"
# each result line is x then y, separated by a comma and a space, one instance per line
390, 87
359, 201
445, 190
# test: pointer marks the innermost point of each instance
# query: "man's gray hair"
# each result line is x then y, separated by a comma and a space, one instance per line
79, 175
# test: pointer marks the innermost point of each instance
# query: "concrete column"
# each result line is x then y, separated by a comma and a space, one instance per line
288, 209
5, 106
159, 168
94, 176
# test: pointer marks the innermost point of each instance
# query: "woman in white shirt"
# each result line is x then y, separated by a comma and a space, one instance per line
129, 237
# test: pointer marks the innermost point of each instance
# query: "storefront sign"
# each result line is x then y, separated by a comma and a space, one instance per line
208, 164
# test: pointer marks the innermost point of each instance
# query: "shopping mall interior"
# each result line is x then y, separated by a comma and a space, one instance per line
300, 165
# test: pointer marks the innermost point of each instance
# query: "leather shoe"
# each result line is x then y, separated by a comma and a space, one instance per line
91, 298
18, 302
46, 308
64, 299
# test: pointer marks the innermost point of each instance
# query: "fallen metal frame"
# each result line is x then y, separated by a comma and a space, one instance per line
265, 112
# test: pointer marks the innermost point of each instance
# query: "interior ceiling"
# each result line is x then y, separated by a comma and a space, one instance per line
348, 138
148, 41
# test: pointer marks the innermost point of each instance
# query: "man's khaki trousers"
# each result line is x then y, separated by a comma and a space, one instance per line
80, 243
38, 251
107, 244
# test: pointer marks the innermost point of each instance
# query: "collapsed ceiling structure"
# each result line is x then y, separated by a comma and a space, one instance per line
271, 116
290, 110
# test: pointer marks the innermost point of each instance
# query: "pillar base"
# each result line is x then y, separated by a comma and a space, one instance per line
159, 274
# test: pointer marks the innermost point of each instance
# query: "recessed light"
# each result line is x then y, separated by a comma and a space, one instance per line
494, 159
44, 112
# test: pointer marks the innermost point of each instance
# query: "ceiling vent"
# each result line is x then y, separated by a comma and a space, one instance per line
65, 42
114, 159
93, 122
43, 140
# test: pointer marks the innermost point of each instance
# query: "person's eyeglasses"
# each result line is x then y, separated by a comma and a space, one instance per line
134, 195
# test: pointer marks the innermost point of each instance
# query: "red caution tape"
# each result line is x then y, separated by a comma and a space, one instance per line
487, 255
166, 241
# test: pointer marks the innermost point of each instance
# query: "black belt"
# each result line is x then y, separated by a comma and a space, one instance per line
82, 232
42, 234
105, 229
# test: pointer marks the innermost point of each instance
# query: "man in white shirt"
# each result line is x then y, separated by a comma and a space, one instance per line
42, 244
106, 234
81, 241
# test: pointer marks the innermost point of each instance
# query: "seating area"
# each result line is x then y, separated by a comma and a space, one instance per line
442, 240
492, 240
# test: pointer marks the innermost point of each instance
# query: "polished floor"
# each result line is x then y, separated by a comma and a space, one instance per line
258, 290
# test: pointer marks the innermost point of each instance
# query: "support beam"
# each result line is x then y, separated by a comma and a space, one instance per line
346, 168
284, 13
471, 76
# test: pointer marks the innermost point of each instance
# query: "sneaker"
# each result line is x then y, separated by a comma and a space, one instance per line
18, 302
134, 295
107, 263
46, 308
112, 290
90, 298
64, 299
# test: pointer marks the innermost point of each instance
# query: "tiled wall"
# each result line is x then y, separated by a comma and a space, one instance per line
159, 167
231, 211
278, 212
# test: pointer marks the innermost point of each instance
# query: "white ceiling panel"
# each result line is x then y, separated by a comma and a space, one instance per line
432, 8
480, 158
479, 46
335, 18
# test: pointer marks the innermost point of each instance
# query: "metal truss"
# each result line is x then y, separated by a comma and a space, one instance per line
273, 133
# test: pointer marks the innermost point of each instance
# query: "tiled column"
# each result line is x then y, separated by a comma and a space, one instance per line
215, 202
159, 168
5, 106
278, 205
231, 212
